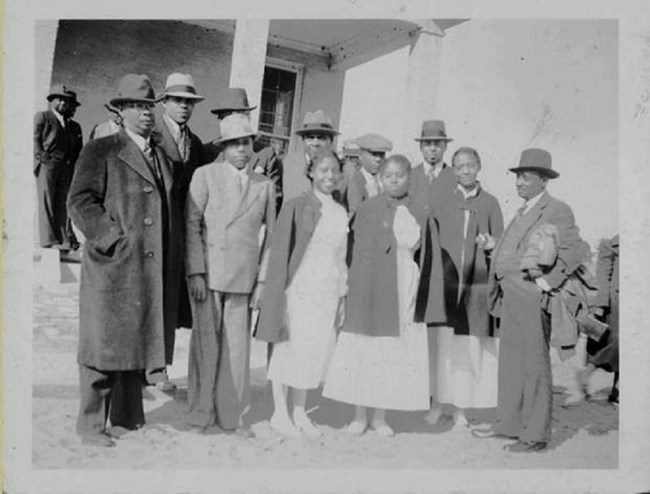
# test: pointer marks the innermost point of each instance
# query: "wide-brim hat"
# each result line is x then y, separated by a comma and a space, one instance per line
233, 127
433, 130
375, 143
232, 99
61, 91
181, 86
536, 160
134, 88
317, 122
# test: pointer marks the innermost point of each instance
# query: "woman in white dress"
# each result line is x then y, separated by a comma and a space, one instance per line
381, 357
304, 301
470, 222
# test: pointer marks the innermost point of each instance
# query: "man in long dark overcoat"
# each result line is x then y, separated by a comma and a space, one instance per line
57, 144
124, 198
525, 396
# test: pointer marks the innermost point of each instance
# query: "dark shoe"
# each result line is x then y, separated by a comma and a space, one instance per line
491, 433
526, 446
97, 439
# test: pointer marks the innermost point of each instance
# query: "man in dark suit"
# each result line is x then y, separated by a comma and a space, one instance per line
57, 144
124, 198
525, 396
185, 150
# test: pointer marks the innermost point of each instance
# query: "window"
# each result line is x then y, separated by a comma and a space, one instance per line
277, 107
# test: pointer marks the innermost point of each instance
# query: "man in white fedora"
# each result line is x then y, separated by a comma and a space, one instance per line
227, 205
185, 151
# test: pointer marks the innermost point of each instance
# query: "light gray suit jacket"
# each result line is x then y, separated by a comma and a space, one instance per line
223, 230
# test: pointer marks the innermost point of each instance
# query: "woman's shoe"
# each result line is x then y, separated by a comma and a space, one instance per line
306, 425
383, 429
356, 428
284, 427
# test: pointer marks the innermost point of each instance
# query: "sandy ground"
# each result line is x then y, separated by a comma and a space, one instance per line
585, 434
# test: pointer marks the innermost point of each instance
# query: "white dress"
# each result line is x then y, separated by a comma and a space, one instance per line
312, 301
388, 372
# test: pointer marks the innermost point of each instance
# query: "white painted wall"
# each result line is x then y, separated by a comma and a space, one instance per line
508, 85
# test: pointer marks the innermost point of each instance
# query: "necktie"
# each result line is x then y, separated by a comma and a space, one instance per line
153, 162
182, 143
522, 209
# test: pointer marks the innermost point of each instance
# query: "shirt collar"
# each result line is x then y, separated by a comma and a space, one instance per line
368, 176
323, 198
532, 201
140, 141
59, 117
243, 173
173, 126
428, 168
471, 193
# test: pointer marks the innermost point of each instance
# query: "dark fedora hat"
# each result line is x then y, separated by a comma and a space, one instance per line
317, 122
536, 160
433, 130
61, 91
232, 99
134, 88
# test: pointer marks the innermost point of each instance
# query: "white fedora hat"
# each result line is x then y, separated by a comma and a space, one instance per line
181, 86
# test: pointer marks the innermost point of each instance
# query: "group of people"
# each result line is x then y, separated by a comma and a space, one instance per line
394, 286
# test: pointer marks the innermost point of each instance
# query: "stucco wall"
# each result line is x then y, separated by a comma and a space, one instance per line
508, 85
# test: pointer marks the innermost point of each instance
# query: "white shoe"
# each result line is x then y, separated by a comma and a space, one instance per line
356, 428
284, 427
383, 429
305, 425
460, 420
433, 416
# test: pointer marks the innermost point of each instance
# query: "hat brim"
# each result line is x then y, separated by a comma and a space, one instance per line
182, 94
543, 171
331, 132
216, 111
119, 101
446, 139
221, 140
74, 101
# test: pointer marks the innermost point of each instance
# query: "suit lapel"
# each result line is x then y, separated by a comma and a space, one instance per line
532, 217
131, 155
248, 195
166, 141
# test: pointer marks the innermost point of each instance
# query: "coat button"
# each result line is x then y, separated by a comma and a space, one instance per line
148, 221
148, 189
149, 254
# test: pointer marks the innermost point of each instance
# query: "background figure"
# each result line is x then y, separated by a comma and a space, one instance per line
525, 396
57, 144
266, 160
185, 152
110, 127
304, 299
123, 199
363, 182
469, 221
227, 205
603, 354
380, 359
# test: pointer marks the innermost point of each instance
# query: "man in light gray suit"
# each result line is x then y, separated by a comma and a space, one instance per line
227, 205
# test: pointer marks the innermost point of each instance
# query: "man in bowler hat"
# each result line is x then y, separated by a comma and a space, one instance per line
517, 297
124, 198
57, 144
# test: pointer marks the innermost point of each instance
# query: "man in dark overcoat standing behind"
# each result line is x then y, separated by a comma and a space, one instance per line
124, 198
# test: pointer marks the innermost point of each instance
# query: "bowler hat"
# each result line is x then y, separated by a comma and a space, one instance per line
317, 122
136, 88
374, 142
433, 130
232, 99
536, 160
181, 86
61, 91
233, 127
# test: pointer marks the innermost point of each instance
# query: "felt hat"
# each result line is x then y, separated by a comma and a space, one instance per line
536, 160
374, 142
61, 91
235, 126
317, 122
134, 88
181, 86
433, 130
232, 99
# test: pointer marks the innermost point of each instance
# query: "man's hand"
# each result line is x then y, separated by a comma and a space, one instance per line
198, 287
597, 312
258, 293
485, 241
543, 284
